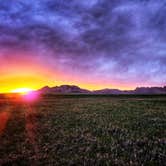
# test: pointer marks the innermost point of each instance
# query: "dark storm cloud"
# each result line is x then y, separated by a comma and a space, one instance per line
110, 38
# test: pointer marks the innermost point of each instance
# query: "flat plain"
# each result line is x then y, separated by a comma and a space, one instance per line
83, 130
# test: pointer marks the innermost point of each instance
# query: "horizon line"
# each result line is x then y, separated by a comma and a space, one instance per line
33, 90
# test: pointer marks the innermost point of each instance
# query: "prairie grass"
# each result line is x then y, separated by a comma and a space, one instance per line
85, 130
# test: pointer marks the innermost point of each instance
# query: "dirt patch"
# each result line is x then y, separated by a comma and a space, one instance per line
4, 117
31, 118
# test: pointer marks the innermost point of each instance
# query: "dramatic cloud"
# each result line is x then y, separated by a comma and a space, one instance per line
116, 43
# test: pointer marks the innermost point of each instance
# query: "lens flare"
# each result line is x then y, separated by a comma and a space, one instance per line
31, 96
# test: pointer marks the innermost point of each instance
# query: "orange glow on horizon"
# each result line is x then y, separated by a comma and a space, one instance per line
33, 75
26, 85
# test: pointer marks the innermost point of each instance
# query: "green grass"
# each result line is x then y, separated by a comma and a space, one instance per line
85, 130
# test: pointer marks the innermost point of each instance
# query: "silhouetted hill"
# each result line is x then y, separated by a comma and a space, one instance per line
150, 90
63, 89
108, 91
75, 89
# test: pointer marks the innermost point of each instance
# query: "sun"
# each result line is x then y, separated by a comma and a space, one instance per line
22, 90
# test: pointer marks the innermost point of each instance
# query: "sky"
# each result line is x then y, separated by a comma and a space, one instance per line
93, 44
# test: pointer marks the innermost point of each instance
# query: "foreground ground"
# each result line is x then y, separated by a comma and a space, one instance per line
83, 130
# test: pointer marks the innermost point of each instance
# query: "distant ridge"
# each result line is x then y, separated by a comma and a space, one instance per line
63, 89
73, 89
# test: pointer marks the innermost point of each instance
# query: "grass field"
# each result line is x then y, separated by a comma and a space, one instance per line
83, 130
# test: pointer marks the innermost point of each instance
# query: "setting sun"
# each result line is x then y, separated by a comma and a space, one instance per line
22, 90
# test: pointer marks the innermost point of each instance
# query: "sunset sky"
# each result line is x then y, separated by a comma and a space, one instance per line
90, 43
